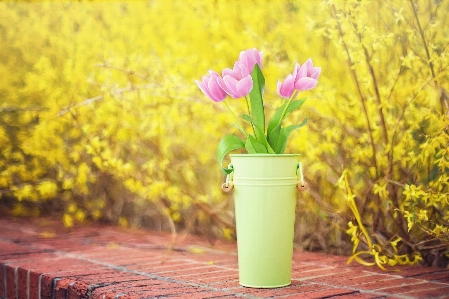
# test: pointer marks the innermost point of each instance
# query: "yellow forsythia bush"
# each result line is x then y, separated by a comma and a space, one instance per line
100, 117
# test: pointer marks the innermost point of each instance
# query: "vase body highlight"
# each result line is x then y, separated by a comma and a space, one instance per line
265, 201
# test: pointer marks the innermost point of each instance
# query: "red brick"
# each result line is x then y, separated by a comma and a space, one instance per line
391, 281
348, 279
46, 285
368, 278
298, 268
314, 275
181, 269
2, 280
318, 258
22, 282
295, 288
115, 278
11, 290
60, 288
210, 277
77, 290
213, 278
194, 271
185, 291
328, 292
431, 292
416, 285
309, 274
362, 296
204, 295
225, 283
100, 290
34, 285
161, 267
416, 272
442, 275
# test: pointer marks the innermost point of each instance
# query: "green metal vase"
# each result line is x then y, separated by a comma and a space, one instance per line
265, 201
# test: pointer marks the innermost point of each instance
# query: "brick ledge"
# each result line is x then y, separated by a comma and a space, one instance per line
40, 260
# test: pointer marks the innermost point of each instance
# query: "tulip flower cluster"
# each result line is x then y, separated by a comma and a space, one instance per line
236, 82
246, 79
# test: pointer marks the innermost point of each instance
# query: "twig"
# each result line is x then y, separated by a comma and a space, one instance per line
362, 98
11, 109
426, 48
100, 97
395, 183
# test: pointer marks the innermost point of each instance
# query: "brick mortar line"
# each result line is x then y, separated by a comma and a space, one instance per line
185, 269
160, 264
409, 278
223, 267
374, 292
16, 281
437, 272
28, 284
226, 290
358, 290
193, 276
426, 289
153, 276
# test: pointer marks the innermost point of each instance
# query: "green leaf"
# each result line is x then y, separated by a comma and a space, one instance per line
279, 148
254, 147
273, 137
226, 145
261, 138
256, 97
276, 118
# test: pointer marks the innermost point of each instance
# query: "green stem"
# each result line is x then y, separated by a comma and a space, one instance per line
236, 119
249, 113
288, 104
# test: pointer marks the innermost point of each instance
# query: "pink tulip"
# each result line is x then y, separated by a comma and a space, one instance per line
236, 82
304, 77
287, 88
250, 57
239, 71
236, 88
210, 87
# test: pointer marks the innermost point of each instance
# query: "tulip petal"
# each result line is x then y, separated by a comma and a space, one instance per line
235, 73
243, 70
244, 86
278, 86
228, 84
216, 92
302, 72
309, 65
249, 58
287, 88
305, 83
203, 88
315, 73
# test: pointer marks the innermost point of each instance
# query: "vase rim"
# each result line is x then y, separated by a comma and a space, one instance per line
264, 155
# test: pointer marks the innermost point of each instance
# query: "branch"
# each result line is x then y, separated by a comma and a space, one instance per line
100, 97
362, 98
21, 109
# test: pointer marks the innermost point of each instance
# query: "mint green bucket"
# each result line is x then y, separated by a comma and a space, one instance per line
265, 201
